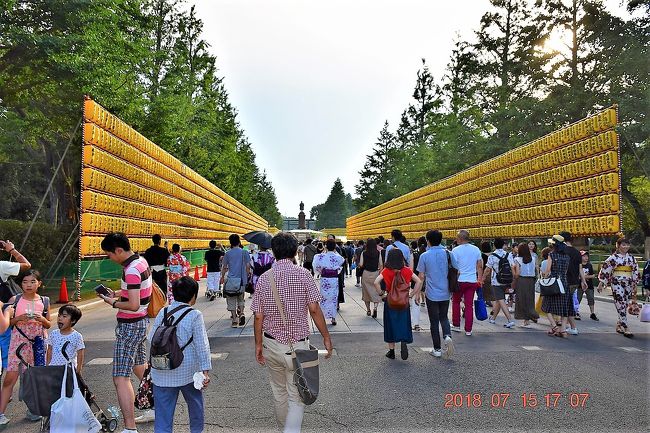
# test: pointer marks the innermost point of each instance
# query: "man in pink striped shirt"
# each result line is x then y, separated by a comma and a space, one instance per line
129, 352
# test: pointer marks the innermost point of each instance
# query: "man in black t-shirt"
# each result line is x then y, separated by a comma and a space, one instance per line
156, 256
588, 270
212, 258
575, 277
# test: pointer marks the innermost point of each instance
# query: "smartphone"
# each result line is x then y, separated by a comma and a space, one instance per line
103, 290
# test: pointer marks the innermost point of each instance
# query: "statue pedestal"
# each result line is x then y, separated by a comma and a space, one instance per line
301, 221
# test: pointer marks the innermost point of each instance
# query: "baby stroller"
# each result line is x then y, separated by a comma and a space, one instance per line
40, 387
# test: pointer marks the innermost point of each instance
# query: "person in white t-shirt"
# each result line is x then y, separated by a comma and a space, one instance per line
68, 317
469, 262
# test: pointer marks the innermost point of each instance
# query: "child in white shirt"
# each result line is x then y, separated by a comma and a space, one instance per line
68, 317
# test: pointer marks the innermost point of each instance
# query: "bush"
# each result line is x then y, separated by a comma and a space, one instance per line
43, 245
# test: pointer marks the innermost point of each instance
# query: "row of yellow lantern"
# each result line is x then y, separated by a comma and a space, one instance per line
603, 121
94, 113
116, 147
444, 209
91, 245
590, 167
450, 219
97, 158
98, 224
98, 203
601, 225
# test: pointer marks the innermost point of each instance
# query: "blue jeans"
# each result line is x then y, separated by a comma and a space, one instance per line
165, 399
5, 339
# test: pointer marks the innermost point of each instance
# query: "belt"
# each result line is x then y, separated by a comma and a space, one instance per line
329, 273
270, 337
622, 273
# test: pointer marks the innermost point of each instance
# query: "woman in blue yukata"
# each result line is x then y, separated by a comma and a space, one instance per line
329, 264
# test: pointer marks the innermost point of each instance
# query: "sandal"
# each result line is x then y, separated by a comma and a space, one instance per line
368, 313
551, 332
562, 334
417, 328
374, 313
627, 333
620, 329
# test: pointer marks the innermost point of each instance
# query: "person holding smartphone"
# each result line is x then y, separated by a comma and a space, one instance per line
132, 300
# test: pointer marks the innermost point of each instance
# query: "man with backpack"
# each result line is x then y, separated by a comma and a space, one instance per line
9, 288
310, 252
466, 258
499, 269
179, 352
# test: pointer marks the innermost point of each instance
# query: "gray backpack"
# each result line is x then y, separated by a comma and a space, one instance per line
166, 353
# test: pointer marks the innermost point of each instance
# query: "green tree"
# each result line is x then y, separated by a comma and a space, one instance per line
334, 211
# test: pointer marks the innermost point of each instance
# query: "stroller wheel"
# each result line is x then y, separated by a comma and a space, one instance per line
111, 425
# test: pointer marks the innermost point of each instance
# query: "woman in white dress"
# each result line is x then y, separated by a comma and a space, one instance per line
329, 264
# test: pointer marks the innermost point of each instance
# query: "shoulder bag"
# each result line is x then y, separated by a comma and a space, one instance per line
480, 309
305, 361
157, 301
452, 275
236, 286
550, 286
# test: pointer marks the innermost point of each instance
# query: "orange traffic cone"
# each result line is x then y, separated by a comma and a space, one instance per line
196, 273
205, 272
63, 292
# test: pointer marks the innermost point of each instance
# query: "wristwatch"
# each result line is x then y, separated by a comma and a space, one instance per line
113, 304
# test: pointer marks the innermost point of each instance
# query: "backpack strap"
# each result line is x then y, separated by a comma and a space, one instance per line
16, 299
181, 317
167, 314
46, 304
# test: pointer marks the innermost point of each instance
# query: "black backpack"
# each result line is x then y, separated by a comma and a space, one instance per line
504, 272
260, 269
166, 353
8, 289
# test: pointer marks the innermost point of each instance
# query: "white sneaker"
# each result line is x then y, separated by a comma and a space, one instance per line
510, 324
436, 353
572, 331
449, 347
468, 333
492, 321
455, 328
147, 416
129, 431
4, 420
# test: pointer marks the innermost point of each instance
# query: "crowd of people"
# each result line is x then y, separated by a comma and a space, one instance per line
290, 282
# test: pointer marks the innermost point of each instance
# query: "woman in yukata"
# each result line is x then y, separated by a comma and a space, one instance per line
328, 264
621, 272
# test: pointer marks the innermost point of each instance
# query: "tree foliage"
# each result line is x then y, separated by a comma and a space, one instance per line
147, 62
334, 211
511, 85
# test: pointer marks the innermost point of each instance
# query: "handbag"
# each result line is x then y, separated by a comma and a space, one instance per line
452, 275
157, 301
550, 286
144, 395
72, 414
305, 361
479, 306
235, 286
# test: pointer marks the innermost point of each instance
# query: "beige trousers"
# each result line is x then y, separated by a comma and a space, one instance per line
289, 408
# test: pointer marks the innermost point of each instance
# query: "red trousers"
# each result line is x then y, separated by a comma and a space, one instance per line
466, 292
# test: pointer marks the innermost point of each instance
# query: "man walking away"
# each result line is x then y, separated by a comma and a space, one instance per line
398, 242
433, 267
157, 257
575, 277
357, 259
310, 252
131, 302
237, 265
496, 266
212, 258
298, 294
467, 259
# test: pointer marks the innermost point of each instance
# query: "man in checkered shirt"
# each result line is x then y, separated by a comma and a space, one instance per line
299, 294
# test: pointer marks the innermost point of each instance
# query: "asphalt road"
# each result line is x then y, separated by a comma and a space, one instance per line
595, 382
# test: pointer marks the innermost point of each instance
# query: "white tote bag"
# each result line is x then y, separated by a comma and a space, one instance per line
72, 415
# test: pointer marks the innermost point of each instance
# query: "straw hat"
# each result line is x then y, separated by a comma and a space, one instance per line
558, 238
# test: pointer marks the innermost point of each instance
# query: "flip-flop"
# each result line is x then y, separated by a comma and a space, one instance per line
404, 351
